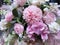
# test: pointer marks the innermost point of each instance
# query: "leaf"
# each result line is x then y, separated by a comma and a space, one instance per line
7, 1
13, 40
15, 13
26, 5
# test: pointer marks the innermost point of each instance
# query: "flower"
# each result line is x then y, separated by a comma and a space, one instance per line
54, 27
20, 2
3, 24
32, 14
9, 16
49, 17
18, 28
38, 28
36, 2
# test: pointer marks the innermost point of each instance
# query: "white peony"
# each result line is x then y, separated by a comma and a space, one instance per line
54, 27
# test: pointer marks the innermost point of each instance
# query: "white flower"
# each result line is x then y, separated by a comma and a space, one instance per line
3, 25
54, 27
46, 9
36, 2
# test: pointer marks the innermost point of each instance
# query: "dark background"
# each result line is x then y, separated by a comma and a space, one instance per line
58, 1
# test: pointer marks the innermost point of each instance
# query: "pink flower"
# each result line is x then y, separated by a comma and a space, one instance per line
18, 28
21, 2
9, 16
32, 14
49, 17
38, 28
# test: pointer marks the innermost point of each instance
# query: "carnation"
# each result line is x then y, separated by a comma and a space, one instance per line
32, 14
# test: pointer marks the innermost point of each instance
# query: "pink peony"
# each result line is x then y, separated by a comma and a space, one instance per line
49, 17
18, 28
38, 28
21, 2
9, 16
32, 14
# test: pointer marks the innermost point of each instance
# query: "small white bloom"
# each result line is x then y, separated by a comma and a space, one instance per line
46, 9
3, 25
9, 38
54, 27
35, 2
20, 35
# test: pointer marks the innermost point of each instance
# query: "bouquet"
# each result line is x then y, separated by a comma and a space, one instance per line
29, 20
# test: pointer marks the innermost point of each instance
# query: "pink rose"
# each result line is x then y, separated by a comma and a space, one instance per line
9, 16
18, 28
49, 17
32, 14
38, 28
21, 2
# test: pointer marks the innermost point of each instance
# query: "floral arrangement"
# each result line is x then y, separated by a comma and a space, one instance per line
30, 20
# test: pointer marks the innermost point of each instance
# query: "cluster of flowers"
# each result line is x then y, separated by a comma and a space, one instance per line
40, 22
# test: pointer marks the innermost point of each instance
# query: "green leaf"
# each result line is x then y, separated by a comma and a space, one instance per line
15, 13
7, 1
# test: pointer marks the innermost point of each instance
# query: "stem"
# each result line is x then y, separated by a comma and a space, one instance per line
18, 20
